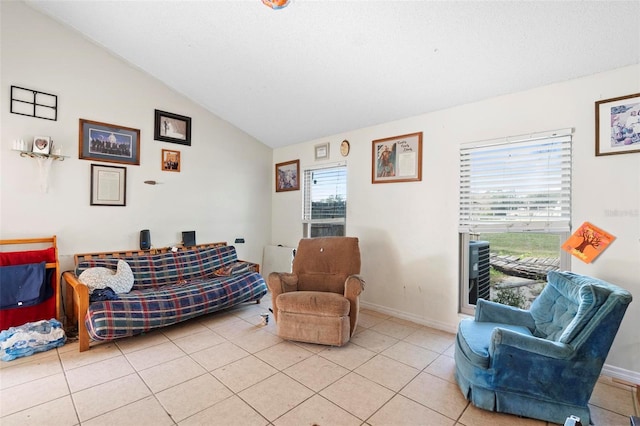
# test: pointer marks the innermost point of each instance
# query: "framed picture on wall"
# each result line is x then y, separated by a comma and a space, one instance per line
288, 176
170, 160
618, 125
108, 185
172, 128
397, 159
109, 143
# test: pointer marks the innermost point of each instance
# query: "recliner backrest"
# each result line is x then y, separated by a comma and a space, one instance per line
323, 264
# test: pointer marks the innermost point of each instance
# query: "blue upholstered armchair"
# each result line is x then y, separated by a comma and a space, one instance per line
541, 363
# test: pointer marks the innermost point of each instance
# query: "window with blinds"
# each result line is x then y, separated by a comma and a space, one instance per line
325, 202
516, 185
515, 211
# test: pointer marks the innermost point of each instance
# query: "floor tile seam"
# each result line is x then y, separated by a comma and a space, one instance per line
312, 390
65, 368
272, 421
609, 409
432, 409
42, 403
307, 399
220, 402
2, 388
175, 384
243, 389
385, 386
183, 336
80, 422
220, 366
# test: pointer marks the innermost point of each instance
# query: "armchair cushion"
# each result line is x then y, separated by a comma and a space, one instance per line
314, 302
475, 338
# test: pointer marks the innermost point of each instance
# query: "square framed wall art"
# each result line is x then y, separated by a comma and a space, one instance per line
288, 176
170, 160
618, 125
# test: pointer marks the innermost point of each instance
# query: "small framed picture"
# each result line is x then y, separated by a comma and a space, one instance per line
42, 145
108, 185
288, 176
322, 151
618, 125
170, 160
172, 128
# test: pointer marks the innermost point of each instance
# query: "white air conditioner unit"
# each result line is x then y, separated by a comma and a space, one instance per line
479, 276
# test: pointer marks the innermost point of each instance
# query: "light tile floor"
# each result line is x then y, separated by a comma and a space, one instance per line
228, 369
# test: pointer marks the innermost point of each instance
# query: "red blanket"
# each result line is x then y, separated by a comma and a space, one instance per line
45, 310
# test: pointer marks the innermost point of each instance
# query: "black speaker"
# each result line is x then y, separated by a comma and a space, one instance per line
145, 239
189, 238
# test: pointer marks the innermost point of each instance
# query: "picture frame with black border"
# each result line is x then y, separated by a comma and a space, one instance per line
170, 127
108, 185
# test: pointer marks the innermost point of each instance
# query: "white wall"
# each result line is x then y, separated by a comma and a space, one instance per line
408, 231
222, 191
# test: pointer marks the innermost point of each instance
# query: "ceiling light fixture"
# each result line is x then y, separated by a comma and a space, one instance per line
276, 4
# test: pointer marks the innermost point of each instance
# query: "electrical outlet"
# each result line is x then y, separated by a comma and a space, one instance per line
239, 241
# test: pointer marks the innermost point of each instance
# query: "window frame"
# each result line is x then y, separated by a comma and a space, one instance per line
467, 228
307, 199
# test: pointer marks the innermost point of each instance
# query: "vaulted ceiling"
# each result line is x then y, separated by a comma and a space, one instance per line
318, 68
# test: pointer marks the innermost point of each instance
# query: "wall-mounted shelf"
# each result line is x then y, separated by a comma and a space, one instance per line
38, 155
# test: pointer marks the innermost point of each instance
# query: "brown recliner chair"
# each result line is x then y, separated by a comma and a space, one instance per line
319, 301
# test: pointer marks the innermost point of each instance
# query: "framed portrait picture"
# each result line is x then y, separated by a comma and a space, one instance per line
109, 143
171, 127
41, 145
397, 159
618, 125
288, 176
321, 152
108, 185
170, 160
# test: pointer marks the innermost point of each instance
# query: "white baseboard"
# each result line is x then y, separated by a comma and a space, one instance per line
410, 317
607, 370
622, 374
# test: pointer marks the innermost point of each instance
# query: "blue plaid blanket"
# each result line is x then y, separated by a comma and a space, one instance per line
169, 288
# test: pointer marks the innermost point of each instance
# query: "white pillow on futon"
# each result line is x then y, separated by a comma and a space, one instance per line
120, 280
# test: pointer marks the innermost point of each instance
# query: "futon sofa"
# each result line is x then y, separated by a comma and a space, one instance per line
169, 286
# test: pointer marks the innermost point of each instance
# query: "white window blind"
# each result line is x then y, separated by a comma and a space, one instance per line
325, 195
516, 184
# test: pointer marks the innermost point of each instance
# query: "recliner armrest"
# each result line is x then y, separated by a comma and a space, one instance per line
502, 337
278, 283
487, 311
353, 286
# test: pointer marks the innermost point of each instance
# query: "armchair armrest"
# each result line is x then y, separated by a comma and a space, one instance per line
353, 286
487, 311
77, 306
501, 337
278, 283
